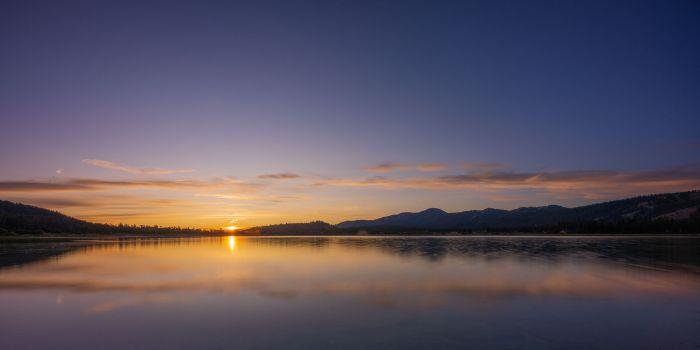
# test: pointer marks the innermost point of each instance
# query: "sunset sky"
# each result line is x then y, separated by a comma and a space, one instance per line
218, 113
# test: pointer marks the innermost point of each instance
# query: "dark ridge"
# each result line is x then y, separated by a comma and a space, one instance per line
16, 218
672, 207
660, 213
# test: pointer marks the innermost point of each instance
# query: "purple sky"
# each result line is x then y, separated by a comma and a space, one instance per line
173, 112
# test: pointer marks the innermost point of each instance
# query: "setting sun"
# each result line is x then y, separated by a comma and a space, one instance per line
231, 228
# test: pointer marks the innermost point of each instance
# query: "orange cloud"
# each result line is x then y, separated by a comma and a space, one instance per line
426, 167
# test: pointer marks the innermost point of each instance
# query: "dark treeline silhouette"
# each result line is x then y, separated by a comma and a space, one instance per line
626, 226
310, 228
26, 219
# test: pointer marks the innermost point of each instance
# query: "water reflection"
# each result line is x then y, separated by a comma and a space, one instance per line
231, 243
348, 292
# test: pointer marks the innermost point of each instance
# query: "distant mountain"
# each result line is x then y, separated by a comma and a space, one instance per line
26, 219
661, 213
307, 228
671, 206
21, 218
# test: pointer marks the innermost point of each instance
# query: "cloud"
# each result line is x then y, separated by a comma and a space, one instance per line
590, 183
38, 186
153, 201
427, 167
74, 184
387, 167
105, 164
482, 166
279, 176
92, 185
256, 197
105, 206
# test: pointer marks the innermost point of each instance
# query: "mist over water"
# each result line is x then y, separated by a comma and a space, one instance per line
354, 292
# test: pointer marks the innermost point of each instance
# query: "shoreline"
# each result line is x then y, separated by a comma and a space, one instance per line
53, 238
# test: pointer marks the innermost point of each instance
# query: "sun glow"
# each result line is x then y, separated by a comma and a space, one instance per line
231, 228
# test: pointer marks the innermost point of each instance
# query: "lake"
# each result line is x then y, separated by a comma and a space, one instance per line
353, 292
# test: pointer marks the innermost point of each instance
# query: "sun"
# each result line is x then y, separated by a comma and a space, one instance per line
231, 228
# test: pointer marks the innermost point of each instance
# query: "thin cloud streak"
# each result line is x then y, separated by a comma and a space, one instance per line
97, 185
607, 181
105, 164
484, 166
428, 167
279, 176
388, 167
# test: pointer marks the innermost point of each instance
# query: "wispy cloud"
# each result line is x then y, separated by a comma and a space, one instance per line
279, 176
255, 197
151, 201
387, 167
427, 167
105, 164
484, 166
97, 184
96, 200
590, 183
111, 305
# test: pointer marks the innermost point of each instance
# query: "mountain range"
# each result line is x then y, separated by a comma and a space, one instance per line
670, 206
660, 213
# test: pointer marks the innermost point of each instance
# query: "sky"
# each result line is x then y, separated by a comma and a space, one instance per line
219, 113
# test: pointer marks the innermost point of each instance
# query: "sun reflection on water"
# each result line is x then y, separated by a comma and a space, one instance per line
231, 243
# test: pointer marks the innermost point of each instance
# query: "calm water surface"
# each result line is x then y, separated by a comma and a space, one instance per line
335, 293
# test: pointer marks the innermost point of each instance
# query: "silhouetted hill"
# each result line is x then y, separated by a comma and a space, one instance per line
309, 228
21, 218
26, 219
661, 213
661, 207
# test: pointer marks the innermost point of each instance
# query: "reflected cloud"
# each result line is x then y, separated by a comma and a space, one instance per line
112, 305
387, 272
